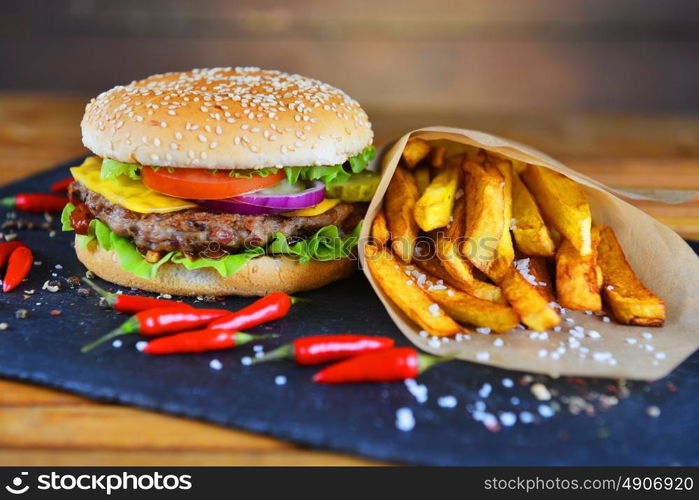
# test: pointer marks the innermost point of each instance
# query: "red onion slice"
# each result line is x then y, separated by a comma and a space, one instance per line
268, 204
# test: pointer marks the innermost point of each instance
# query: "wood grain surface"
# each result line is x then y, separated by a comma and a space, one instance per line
45, 427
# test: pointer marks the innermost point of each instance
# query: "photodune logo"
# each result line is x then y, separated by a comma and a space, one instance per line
17, 486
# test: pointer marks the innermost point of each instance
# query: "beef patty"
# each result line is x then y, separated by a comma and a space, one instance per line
194, 231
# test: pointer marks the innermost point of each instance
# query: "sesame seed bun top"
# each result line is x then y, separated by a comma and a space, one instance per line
226, 118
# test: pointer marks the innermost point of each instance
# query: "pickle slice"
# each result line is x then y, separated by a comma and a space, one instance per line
359, 187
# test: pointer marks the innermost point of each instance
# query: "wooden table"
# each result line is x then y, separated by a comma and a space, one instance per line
39, 426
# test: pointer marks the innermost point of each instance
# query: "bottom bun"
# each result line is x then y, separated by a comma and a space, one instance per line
259, 276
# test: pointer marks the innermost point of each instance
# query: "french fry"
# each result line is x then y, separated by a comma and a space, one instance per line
577, 286
455, 228
399, 206
422, 178
563, 205
471, 310
539, 269
459, 280
506, 252
436, 156
415, 151
451, 260
406, 294
518, 166
528, 303
379, 229
530, 231
432, 265
434, 208
461, 273
631, 302
485, 209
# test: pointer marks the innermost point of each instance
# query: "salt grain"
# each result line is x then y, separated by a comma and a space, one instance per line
483, 356
405, 420
485, 391
526, 417
508, 419
653, 411
419, 391
540, 392
447, 402
545, 411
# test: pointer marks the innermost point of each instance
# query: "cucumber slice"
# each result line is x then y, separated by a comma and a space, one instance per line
359, 187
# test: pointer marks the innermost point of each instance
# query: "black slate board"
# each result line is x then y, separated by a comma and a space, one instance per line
358, 419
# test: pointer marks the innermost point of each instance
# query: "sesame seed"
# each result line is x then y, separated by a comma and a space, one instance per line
202, 138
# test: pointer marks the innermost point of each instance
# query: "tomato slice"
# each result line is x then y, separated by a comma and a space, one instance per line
202, 184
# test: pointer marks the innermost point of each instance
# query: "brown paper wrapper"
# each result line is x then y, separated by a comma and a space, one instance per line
660, 257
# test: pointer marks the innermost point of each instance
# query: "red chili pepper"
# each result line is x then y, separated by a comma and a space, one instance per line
35, 202
62, 185
270, 307
6, 248
130, 303
386, 366
201, 341
318, 349
18, 266
160, 321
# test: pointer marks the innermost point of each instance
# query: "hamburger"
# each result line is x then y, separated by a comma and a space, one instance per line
224, 181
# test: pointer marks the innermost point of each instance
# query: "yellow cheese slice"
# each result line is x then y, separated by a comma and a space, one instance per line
126, 192
320, 208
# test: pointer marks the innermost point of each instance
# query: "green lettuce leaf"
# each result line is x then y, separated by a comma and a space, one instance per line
65, 217
334, 174
111, 169
329, 175
325, 244
248, 174
226, 266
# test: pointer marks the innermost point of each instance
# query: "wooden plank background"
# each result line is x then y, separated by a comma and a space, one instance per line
475, 55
